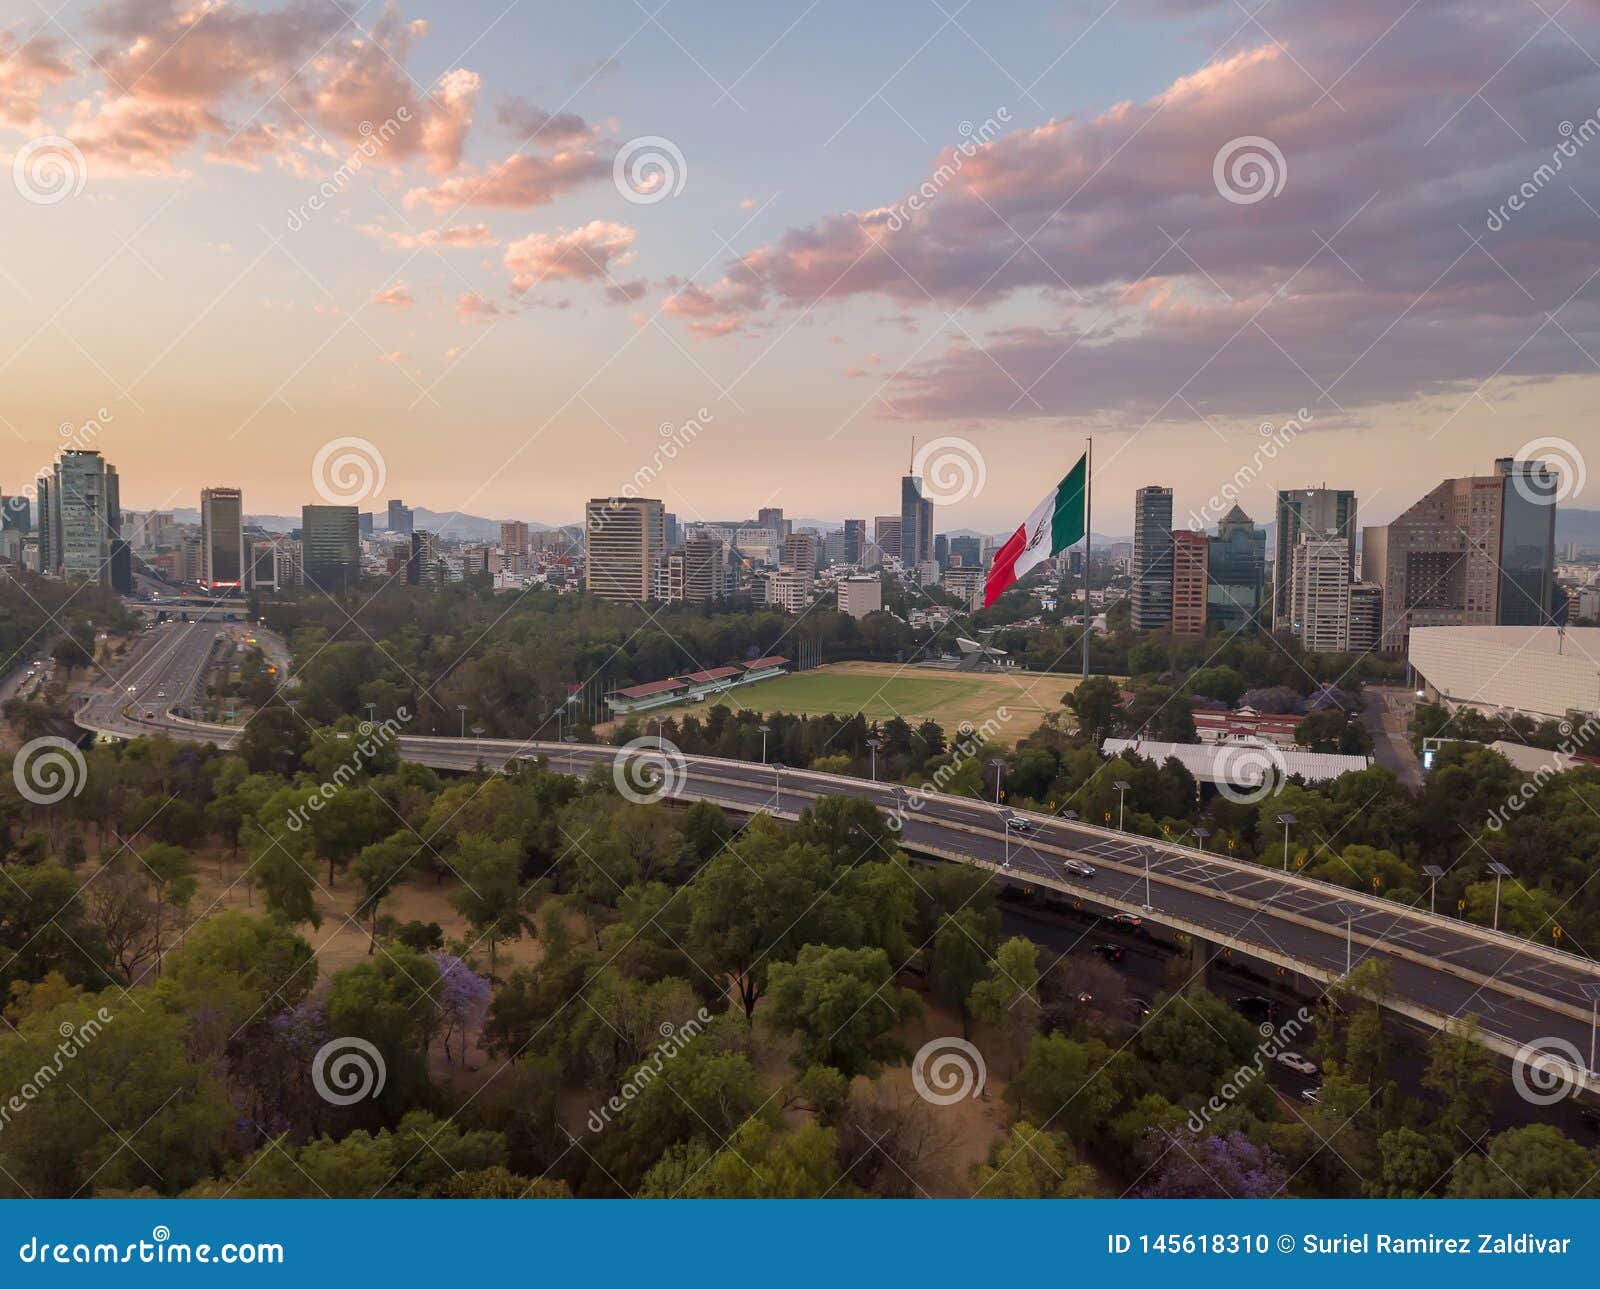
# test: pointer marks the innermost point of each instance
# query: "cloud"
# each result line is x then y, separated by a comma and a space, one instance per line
520, 181
579, 254
457, 235
397, 297
1071, 225
28, 68
472, 307
539, 128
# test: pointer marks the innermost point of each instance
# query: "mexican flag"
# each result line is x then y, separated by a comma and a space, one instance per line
1055, 524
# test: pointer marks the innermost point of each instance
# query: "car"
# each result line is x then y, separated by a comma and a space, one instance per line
1299, 1064
1016, 823
1078, 868
1085, 998
1140, 1007
1313, 1095
1255, 1007
1110, 952
1131, 920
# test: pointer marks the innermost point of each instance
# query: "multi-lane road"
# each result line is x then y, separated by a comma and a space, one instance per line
1442, 968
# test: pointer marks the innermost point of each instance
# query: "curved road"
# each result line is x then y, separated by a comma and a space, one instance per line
1522, 993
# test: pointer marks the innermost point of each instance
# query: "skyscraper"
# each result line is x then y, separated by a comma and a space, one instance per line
800, 555
855, 541
625, 539
422, 566
1189, 552
886, 536
1235, 573
1527, 543
330, 540
222, 538
1319, 592
401, 518
513, 537
80, 517
916, 522
1307, 510
1152, 558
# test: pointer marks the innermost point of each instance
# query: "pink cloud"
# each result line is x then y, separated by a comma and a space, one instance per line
458, 235
472, 307
519, 181
397, 297
579, 254
27, 70
540, 128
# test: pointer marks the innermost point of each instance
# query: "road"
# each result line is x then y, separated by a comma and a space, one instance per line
1386, 714
1441, 968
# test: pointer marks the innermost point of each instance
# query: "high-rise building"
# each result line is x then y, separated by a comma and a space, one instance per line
800, 554
964, 552
704, 571
941, 550
423, 567
80, 516
671, 533
916, 522
625, 540
1189, 561
1476, 551
772, 517
15, 517
1527, 543
513, 538
855, 541
859, 596
1152, 558
1307, 510
1366, 616
120, 567
222, 539
330, 540
967, 583
364, 524
788, 590
401, 518
1319, 592
886, 536
1235, 574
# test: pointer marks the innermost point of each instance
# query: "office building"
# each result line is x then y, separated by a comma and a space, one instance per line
1189, 562
967, 583
626, 539
800, 554
120, 577
514, 539
916, 522
1152, 558
1235, 575
964, 552
671, 533
941, 550
80, 517
886, 537
855, 541
330, 541
859, 596
222, 539
423, 566
15, 515
1307, 510
1366, 616
772, 517
788, 590
1476, 551
364, 524
401, 518
1319, 592
704, 571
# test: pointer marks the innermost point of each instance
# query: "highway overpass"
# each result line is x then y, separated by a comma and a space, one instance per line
1442, 968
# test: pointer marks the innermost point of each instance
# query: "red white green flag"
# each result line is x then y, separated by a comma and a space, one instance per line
1056, 523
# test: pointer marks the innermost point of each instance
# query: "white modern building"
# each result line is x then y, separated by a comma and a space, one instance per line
859, 596
1544, 672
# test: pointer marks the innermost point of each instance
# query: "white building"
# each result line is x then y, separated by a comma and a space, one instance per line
859, 596
968, 583
789, 590
1319, 593
1543, 672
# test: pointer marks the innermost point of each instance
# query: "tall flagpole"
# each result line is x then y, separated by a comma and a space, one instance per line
1088, 542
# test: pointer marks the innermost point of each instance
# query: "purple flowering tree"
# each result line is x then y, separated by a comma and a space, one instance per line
462, 1000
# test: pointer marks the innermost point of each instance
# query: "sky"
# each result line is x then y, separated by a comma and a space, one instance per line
500, 254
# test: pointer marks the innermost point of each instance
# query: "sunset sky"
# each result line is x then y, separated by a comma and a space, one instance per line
482, 297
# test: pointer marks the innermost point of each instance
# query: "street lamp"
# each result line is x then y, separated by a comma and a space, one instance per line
777, 787
1349, 912
1499, 871
1591, 991
1122, 786
572, 753
999, 768
477, 733
372, 713
1286, 821
1433, 873
874, 744
765, 730
1202, 834
1069, 814
462, 708
1147, 905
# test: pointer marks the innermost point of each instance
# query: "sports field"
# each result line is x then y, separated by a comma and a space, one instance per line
883, 690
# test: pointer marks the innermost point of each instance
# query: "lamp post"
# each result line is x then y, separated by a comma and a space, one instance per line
1499, 871
1146, 904
1287, 821
1591, 991
572, 753
1122, 786
477, 736
999, 768
1433, 873
462, 708
874, 744
1202, 834
777, 786
372, 713
765, 730
1350, 912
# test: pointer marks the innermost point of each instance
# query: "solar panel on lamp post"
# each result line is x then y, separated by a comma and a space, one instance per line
1286, 821
1500, 871
874, 744
1433, 873
1122, 786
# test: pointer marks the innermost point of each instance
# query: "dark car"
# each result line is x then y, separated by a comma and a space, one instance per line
1110, 952
1255, 1007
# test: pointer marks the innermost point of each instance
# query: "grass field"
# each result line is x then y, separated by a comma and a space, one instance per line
882, 690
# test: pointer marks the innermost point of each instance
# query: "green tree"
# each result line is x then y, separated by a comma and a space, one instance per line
1074, 1085
1534, 1162
1029, 1164
842, 1003
1464, 1077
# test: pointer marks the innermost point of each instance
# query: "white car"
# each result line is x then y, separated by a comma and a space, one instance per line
1312, 1095
1297, 1063
1078, 868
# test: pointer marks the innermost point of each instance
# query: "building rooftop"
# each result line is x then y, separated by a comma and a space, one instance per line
712, 673
1218, 762
651, 687
775, 661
